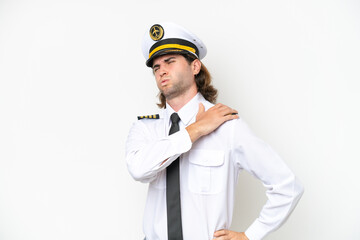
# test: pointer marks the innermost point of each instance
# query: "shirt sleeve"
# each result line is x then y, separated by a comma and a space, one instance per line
145, 154
283, 190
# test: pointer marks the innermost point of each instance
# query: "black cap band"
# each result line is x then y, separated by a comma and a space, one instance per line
171, 45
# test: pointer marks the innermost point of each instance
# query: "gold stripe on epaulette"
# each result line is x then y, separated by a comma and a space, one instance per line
155, 116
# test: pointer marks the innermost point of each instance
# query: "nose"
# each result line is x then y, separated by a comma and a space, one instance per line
162, 71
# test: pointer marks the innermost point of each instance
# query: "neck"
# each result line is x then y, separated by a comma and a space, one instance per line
178, 102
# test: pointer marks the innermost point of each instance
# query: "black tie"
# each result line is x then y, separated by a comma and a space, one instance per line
173, 191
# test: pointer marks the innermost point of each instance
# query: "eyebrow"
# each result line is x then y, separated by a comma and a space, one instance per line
166, 60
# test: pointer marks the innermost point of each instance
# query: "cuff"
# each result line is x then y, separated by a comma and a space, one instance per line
257, 230
182, 140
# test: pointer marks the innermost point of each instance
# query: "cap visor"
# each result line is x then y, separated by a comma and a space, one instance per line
163, 52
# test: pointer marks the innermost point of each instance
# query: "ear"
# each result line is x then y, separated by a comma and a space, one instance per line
196, 66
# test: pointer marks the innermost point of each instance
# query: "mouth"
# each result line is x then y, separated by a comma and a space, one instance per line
164, 82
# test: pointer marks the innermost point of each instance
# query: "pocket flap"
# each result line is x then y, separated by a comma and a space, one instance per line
210, 158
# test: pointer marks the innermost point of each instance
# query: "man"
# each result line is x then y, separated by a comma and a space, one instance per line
193, 151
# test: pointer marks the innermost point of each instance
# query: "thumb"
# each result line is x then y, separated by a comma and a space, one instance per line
201, 108
201, 111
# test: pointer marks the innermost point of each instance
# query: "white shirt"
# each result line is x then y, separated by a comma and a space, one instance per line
209, 170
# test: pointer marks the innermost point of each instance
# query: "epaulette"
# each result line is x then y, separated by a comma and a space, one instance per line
155, 116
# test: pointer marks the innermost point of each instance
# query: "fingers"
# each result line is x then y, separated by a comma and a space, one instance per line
220, 233
223, 109
223, 112
230, 117
219, 111
225, 234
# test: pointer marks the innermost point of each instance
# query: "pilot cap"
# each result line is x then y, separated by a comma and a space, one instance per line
168, 38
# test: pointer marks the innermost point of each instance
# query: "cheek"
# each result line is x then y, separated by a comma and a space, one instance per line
157, 77
180, 73
185, 75
157, 81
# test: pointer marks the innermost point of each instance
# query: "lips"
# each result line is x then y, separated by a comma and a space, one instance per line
164, 82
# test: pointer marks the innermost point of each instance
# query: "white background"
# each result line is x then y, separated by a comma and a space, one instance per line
73, 79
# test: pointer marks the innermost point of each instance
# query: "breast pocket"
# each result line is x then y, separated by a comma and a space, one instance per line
206, 171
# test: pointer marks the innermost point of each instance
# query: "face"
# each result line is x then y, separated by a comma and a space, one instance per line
175, 76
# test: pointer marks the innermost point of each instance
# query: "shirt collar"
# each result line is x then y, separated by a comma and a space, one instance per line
188, 111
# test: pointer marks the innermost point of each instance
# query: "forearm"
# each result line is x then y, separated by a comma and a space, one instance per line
281, 202
146, 158
194, 132
283, 190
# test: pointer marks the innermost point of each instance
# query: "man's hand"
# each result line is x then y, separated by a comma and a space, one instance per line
229, 235
207, 121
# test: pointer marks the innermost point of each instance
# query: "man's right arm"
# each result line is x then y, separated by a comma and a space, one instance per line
146, 156
146, 153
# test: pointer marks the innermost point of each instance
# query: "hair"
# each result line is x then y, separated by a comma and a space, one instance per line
203, 83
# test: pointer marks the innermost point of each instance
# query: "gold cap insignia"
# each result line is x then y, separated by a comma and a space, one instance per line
156, 32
